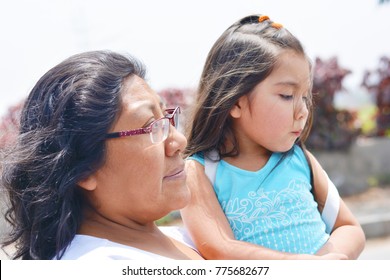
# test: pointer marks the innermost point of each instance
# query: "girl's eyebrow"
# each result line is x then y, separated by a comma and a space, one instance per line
290, 83
287, 83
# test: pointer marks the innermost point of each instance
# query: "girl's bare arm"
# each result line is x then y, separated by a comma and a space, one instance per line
347, 236
210, 230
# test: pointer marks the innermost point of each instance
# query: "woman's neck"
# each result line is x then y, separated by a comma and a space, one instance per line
145, 236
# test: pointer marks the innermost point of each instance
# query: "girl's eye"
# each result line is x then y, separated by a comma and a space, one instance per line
286, 96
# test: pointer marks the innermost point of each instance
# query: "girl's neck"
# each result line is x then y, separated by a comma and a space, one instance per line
251, 157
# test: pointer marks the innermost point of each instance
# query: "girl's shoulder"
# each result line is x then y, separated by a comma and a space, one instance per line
199, 157
298, 150
298, 153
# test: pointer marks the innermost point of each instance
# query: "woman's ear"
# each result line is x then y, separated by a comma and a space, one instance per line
241, 103
88, 184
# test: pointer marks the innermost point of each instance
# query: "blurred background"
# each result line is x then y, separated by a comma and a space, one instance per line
347, 41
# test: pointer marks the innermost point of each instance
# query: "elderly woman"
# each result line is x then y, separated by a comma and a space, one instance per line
97, 161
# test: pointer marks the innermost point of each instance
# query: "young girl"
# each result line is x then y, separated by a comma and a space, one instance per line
254, 112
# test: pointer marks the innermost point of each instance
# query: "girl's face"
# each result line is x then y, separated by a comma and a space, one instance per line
139, 181
274, 114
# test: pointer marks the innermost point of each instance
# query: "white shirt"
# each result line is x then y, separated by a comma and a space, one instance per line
86, 247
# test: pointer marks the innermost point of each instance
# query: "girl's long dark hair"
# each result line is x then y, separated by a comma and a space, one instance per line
244, 55
61, 141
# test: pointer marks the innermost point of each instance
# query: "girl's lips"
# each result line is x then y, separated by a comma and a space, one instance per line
297, 133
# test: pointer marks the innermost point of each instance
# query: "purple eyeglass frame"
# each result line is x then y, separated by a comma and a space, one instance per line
145, 130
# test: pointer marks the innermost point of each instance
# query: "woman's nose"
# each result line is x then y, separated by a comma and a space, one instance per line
176, 141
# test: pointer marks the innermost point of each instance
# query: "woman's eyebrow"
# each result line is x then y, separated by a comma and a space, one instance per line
162, 104
141, 108
157, 109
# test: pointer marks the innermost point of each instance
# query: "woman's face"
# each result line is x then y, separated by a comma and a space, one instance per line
139, 181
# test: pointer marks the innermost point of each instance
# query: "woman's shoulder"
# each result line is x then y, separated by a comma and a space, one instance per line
180, 234
85, 247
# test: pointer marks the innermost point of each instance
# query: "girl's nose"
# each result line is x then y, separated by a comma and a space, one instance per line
301, 110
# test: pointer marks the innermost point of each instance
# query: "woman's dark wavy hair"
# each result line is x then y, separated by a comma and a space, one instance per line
61, 141
243, 56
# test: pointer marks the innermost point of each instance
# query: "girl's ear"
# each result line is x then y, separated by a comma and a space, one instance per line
88, 184
241, 103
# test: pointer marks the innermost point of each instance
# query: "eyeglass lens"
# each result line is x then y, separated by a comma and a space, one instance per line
160, 130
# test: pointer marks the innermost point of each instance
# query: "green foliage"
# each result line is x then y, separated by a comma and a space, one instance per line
366, 117
379, 180
170, 219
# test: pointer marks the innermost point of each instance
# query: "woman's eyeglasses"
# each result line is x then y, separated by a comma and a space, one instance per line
158, 129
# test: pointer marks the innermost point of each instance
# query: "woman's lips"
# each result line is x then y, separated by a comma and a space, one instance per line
176, 174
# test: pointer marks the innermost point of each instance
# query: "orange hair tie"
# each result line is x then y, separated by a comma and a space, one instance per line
263, 18
276, 25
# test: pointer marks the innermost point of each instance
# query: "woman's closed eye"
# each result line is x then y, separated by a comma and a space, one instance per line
149, 122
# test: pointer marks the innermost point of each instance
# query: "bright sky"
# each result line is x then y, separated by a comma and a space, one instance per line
173, 37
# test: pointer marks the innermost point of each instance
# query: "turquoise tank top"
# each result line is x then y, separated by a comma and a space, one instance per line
272, 207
